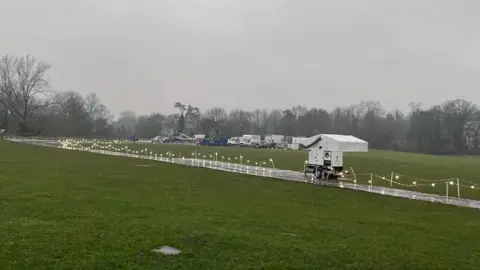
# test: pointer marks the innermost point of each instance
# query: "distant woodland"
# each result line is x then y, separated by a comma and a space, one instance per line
29, 107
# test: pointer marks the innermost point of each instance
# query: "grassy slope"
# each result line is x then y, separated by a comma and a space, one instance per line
379, 162
71, 209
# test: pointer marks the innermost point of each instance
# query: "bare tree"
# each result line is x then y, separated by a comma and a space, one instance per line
22, 84
239, 122
213, 120
256, 118
216, 114
95, 108
456, 113
274, 119
299, 111
415, 106
127, 121
170, 124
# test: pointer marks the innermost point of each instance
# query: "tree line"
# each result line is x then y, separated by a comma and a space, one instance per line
28, 106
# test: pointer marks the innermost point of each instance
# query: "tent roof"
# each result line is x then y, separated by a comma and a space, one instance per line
342, 138
336, 142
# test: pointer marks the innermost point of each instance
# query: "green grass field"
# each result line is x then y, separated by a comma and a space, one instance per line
77, 210
416, 172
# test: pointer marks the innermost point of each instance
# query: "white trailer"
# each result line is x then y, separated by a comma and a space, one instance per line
272, 138
325, 153
293, 146
298, 140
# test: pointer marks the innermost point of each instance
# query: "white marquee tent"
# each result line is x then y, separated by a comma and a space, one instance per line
335, 142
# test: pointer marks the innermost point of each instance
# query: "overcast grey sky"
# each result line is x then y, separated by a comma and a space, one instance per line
145, 55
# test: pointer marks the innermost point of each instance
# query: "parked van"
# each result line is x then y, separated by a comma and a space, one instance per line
251, 140
234, 141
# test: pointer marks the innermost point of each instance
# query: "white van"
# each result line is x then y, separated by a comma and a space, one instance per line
251, 140
234, 141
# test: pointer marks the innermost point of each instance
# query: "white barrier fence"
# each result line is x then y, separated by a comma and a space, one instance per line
272, 173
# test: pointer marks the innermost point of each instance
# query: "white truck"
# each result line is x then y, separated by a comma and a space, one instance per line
296, 142
251, 140
325, 154
272, 138
274, 141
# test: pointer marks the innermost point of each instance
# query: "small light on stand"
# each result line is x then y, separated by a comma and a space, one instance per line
273, 164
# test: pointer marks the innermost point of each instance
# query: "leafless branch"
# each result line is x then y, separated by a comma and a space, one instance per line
21, 81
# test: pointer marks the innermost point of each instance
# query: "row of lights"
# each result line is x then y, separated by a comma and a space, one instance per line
126, 149
109, 145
